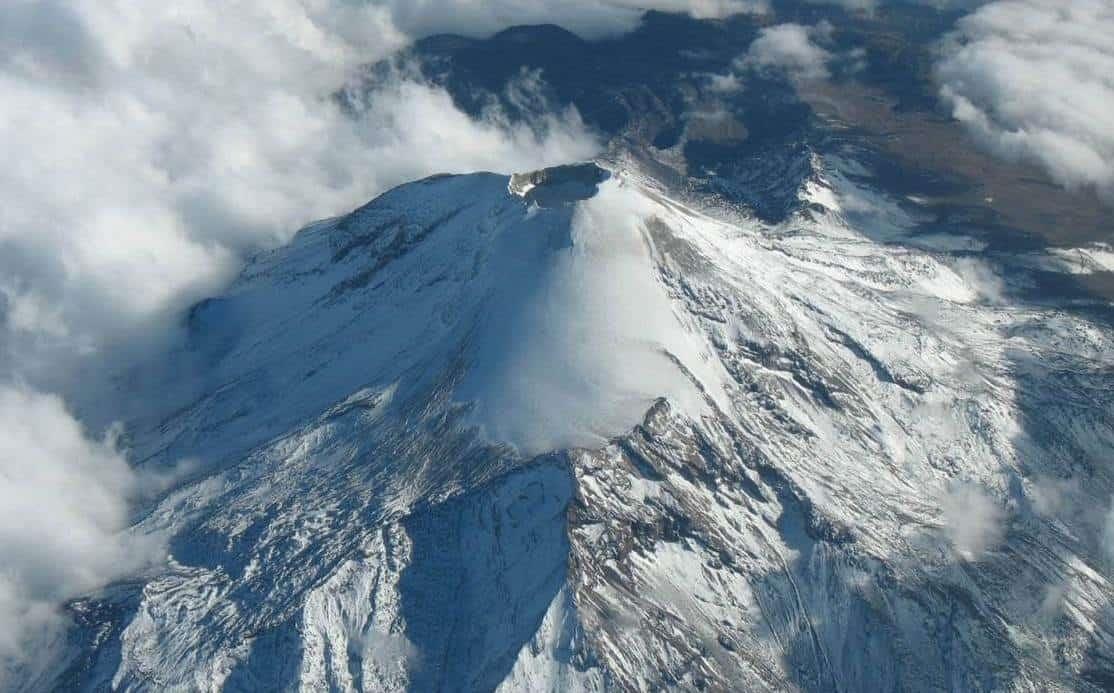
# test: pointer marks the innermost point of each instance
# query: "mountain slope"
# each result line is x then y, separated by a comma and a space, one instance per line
568, 432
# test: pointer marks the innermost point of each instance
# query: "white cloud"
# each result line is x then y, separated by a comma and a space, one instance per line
1034, 80
588, 18
973, 521
149, 148
869, 6
981, 279
862, 5
63, 505
701, 9
792, 49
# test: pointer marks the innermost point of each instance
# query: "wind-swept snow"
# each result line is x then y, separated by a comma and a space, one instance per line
575, 345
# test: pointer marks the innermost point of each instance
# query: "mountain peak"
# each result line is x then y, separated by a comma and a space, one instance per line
691, 453
558, 184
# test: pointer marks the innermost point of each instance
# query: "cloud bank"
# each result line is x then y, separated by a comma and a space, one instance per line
152, 148
793, 49
1033, 80
63, 504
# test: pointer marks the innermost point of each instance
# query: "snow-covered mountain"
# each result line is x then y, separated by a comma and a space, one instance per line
577, 430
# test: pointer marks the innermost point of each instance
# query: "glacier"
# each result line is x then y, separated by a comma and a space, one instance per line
587, 430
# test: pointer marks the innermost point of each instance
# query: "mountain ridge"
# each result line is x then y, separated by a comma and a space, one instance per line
397, 487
